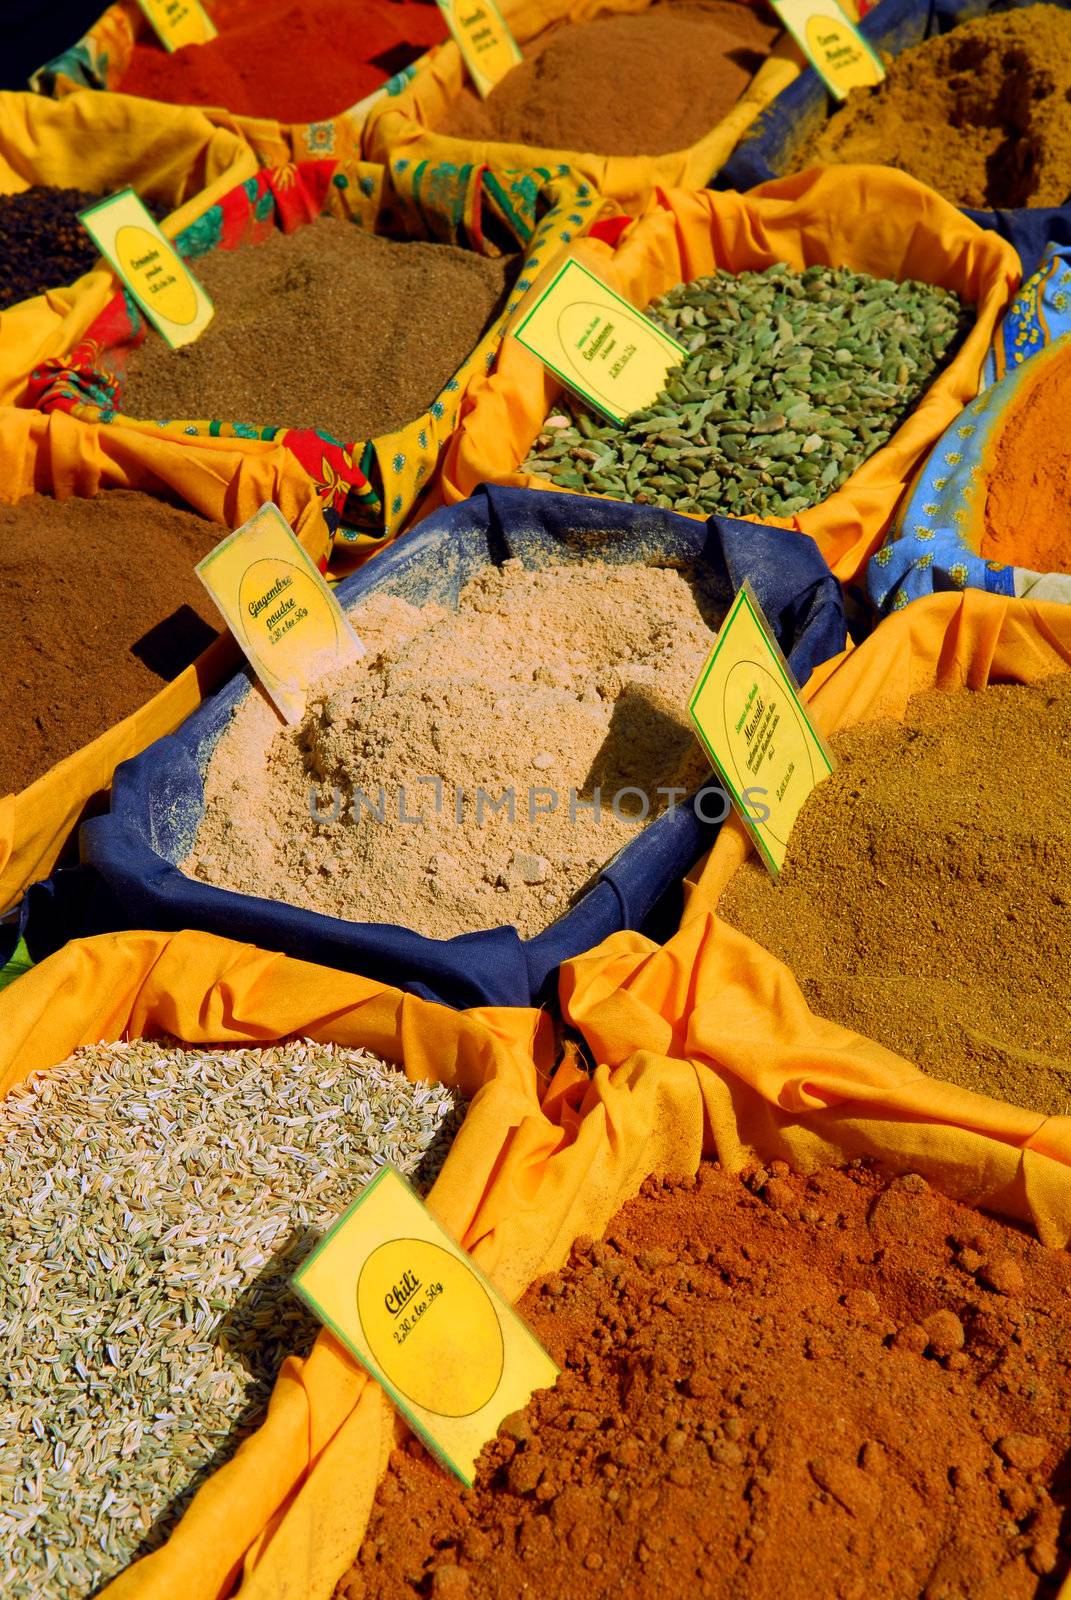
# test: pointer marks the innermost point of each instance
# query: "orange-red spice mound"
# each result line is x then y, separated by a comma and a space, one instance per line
823, 1388
1028, 499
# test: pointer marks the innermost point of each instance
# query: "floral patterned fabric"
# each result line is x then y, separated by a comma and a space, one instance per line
368, 486
935, 542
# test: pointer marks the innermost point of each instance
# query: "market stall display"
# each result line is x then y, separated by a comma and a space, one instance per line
506, 658
818, 220
348, 49
115, 997
113, 575
971, 105
448, 862
388, 313
166, 1243
678, 83
754, 1372
837, 362
122, 574
989, 508
52, 282
928, 833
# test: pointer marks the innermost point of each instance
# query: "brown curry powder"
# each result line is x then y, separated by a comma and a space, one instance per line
981, 114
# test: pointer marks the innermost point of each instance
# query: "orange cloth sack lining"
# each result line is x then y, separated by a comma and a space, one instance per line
403, 125
778, 1080
60, 456
102, 143
872, 219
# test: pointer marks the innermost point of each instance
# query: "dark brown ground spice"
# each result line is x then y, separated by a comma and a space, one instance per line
103, 608
926, 898
330, 327
822, 1388
664, 78
981, 114
42, 243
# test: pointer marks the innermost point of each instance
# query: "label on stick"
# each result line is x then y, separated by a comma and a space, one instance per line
833, 44
178, 22
150, 266
428, 1326
487, 46
598, 344
753, 725
279, 608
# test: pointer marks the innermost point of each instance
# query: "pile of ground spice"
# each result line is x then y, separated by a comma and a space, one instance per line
560, 688
981, 114
1026, 516
926, 898
834, 1386
330, 327
295, 63
103, 609
666, 77
42, 243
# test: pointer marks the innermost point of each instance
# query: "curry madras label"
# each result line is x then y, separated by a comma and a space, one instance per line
754, 726
408, 1301
833, 44
178, 22
487, 46
279, 608
598, 344
150, 266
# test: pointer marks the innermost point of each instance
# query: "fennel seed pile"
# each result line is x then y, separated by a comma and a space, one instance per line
155, 1201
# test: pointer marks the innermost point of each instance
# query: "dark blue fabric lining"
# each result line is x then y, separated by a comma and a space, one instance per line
157, 797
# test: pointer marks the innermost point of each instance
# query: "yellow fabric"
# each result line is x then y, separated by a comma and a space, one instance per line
403, 126
872, 219
60, 456
102, 142
774, 1078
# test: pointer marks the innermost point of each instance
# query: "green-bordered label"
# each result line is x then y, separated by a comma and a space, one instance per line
833, 44
279, 608
410, 1304
150, 266
753, 725
606, 351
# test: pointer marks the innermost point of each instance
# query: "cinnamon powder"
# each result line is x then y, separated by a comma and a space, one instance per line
800, 1388
926, 898
477, 767
1027, 516
622, 85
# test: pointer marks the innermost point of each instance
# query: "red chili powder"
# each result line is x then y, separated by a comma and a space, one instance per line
294, 63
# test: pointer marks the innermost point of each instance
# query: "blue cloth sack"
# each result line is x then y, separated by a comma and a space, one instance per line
158, 797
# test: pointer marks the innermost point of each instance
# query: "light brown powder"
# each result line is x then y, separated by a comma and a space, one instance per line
547, 685
926, 898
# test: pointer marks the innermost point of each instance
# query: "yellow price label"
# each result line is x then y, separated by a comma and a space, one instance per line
150, 266
487, 46
279, 608
754, 727
598, 344
178, 22
410, 1304
833, 44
